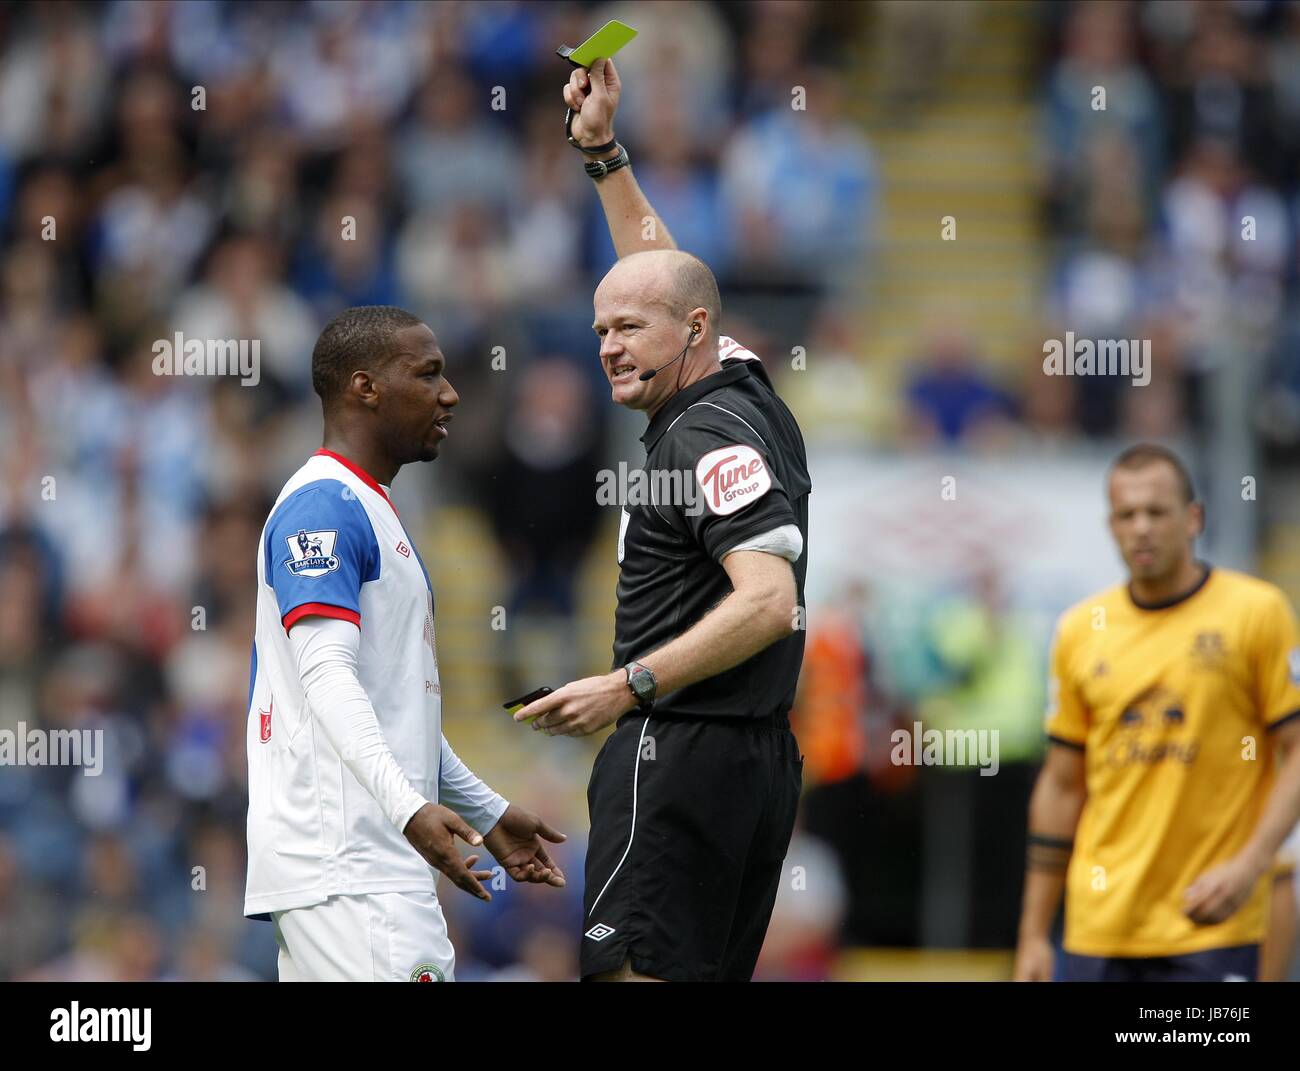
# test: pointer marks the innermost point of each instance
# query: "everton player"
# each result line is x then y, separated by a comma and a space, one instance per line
693, 797
1157, 812
354, 793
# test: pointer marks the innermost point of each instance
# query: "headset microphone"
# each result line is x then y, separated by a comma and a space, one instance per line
645, 377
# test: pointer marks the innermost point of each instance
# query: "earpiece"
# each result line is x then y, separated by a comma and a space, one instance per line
695, 329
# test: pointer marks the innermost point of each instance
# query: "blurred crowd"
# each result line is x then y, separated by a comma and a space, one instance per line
1168, 149
243, 170
1176, 210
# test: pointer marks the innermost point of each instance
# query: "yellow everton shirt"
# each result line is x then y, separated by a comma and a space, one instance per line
1173, 706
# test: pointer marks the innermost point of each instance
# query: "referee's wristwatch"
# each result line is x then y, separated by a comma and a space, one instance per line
643, 684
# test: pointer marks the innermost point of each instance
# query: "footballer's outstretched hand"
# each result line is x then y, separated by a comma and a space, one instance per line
593, 96
516, 842
432, 831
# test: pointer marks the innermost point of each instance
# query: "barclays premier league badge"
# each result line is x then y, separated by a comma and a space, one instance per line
312, 553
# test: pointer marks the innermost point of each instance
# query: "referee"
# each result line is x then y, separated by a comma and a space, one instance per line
693, 796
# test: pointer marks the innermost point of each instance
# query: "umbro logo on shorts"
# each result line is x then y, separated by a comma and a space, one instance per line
599, 932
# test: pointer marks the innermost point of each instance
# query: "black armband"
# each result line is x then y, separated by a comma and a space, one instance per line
1048, 853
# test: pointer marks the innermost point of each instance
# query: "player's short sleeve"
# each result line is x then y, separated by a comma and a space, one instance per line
1285, 862
1283, 867
730, 491
1276, 659
1067, 714
320, 549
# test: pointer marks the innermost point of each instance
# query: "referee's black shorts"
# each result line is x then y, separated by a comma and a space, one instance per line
690, 821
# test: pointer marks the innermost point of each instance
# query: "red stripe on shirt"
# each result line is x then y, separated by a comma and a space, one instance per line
319, 609
357, 471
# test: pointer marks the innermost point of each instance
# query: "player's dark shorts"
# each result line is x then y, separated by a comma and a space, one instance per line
690, 821
1237, 964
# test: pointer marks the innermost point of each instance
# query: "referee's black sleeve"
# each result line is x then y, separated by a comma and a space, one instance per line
734, 493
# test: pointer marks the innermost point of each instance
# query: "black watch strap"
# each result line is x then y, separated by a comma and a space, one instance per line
590, 150
598, 169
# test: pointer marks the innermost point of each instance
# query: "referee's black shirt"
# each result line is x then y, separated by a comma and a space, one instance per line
732, 437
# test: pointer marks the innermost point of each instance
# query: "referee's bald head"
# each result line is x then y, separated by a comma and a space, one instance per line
669, 277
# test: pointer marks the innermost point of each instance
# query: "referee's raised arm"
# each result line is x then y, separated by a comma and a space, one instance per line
633, 224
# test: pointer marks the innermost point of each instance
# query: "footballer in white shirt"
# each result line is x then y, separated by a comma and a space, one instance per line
354, 793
